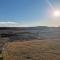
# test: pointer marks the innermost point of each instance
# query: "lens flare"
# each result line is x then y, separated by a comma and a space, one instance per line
50, 5
56, 13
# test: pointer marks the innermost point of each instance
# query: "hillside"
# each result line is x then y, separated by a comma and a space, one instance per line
11, 34
39, 39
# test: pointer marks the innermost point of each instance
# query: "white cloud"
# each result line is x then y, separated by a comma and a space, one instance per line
11, 24
7, 22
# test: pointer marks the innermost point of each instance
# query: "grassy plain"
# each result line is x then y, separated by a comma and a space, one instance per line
32, 50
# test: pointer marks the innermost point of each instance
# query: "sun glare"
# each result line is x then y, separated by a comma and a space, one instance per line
56, 13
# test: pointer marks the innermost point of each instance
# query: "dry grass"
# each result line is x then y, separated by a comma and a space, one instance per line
32, 50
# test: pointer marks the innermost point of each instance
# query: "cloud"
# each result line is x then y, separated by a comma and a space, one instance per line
7, 22
11, 24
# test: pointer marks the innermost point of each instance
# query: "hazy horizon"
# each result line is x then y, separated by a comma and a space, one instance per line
15, 24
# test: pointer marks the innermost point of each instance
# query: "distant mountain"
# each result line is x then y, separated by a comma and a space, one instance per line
21, 28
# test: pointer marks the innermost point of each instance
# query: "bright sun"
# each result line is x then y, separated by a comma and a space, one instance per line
56, 13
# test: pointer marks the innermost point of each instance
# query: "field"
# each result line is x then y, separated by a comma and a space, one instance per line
32, 50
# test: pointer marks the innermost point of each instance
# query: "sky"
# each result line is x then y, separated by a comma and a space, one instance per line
29, 13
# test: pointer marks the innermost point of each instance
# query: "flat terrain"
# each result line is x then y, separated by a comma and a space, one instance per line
32, 50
